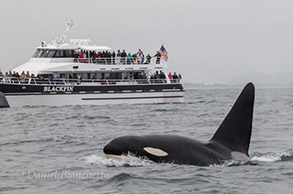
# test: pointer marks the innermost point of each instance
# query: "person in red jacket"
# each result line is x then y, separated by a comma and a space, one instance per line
170, 76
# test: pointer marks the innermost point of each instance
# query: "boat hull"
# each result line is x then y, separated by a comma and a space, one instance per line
95, 99
59, 95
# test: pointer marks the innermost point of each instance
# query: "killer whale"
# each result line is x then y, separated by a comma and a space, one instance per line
230, 142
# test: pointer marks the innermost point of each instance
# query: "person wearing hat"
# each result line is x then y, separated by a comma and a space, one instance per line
148, 59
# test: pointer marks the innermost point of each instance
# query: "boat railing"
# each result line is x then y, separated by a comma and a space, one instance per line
119, 61
79, 81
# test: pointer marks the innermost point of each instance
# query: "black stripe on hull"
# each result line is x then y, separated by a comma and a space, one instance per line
76, 89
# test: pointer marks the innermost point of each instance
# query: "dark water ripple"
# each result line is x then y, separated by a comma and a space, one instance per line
59, 149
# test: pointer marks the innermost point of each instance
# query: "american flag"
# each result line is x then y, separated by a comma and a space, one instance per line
164, 53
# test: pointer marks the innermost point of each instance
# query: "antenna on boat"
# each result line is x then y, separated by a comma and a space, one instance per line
64, 36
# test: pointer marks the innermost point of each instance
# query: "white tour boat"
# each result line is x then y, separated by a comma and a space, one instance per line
78, 72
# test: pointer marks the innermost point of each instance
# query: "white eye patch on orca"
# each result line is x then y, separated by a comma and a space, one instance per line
155, 151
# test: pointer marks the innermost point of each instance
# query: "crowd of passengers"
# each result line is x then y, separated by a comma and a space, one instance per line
25, 77
107, 57
161, 76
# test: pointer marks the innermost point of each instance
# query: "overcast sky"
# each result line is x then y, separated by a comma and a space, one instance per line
208, 41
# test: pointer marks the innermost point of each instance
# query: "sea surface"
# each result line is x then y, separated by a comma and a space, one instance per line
48, 149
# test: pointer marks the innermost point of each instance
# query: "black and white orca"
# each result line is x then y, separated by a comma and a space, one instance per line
230, 142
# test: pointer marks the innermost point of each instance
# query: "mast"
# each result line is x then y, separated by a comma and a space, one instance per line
64, 36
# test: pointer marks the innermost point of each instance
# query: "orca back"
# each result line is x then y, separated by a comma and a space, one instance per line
235, 131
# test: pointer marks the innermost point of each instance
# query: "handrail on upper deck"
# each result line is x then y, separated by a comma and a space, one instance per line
56, 81
119, 61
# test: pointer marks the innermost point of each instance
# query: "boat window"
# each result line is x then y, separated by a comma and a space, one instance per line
45, 54
40, 53
115, 76
59, 53
51, 53
64, 53
69, 53
36, 53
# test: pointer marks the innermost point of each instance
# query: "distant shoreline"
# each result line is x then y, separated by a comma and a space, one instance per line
188, 85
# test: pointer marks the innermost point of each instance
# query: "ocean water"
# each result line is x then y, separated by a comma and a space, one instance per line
60, 149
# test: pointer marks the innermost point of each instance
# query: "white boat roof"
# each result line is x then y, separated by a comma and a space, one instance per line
77, 47
96, 48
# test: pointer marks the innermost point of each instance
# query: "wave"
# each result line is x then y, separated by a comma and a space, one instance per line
18, 142
166, 110
130, 161
273, 157
120, 177
126, 161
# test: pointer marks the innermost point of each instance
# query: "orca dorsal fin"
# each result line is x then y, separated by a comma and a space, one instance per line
235, 131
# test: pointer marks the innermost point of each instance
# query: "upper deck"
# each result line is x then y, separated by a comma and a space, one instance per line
79, 57
88, 58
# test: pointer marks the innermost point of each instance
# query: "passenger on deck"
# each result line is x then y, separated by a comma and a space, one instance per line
84, 56
152, 78
157, 76
139, 57
1, 74
123, 56
99, 57
108, 57
33, 79
22, 77
148, 59
175, 77
58, 79
170, 76
162, 75
40, 79
13, 74
80, 57
17, 75
75, 55
118, 59
134, 59
6, 78
158, 55
113, 57
27, 76
103, 55
142, 57
129, 58
94, 56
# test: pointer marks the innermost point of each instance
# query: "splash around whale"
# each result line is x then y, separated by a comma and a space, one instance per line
230, 142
